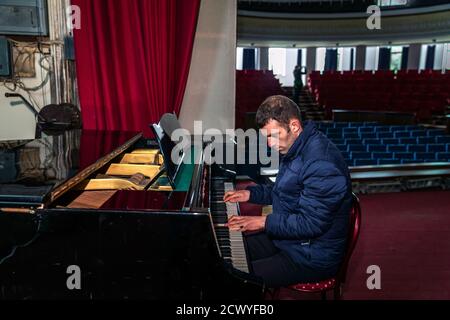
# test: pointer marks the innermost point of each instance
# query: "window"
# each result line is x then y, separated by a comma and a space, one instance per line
277, 61
396, 57
392, 3
446, 57
239, 58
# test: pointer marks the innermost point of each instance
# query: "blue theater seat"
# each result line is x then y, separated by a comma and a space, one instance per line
419, 133
346, 154
370, 123
334, 136
361, 155
354, 124
364, 162
443, 156
385, 135
436, 148
404, 155
408, 140
341, 124
417, 148
334, 131
342, 147
368, 135
371, 141
396, 148
382, 129
357, 148
402, 134
353, 141
448, 147
409, 161
397, 128
351, 136
390, 141
338, 141
435, 132
442, 139
389, 161
382, 155
350, 130
376, 148
366, 130
426, 140
425, 156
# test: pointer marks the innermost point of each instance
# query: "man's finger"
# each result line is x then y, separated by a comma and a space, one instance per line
232, 198
236, 218
229, 193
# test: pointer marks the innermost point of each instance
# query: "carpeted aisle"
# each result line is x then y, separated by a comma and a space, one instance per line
408, 236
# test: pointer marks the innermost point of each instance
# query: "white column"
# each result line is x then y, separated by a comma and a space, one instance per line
210, 90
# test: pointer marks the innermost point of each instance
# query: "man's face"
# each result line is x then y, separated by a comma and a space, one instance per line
279, 137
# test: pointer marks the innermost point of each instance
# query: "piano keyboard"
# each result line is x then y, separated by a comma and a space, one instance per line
231, 243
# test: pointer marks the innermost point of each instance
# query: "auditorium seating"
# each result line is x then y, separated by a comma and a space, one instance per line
252, 88
387, 144
423, 93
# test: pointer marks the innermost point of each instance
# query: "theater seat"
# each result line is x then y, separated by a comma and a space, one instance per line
443, 139
368, 135
382, 155
402, 134
436, 148
376, 148
357, 148
408, 140
364, 162
389, 161
366, 129
427, 140
425, 156
443, 156
385, 135
397, 148
419, 133
417, 148
361, 155
390, 141
404, 155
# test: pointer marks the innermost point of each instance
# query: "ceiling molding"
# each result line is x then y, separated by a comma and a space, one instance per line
348, 15
398, 29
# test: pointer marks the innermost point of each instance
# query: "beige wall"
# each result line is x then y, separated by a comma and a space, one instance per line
17, 122
210, 92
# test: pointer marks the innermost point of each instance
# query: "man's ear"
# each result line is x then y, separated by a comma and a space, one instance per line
295, 126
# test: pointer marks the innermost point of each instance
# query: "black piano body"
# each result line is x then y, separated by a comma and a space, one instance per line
127, 242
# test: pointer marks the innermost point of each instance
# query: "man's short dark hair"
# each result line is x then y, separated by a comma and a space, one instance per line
279, 108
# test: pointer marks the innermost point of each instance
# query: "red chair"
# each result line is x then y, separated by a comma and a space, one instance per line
336, 283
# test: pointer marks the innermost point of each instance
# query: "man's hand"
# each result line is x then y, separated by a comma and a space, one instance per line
237, 196
239, 223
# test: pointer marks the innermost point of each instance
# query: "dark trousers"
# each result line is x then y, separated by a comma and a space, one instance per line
274, 266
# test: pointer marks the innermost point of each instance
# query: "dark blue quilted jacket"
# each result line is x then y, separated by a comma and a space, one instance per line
311, 201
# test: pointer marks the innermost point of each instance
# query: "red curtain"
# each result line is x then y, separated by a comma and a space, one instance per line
133, 59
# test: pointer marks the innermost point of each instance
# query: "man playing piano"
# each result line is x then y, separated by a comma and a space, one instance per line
304, 239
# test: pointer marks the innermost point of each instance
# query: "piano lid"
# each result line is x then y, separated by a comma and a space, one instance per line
30, 170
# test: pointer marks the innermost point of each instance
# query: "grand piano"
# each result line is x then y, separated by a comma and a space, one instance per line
105, 203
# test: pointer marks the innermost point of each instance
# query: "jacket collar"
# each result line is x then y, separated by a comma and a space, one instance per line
309, 128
